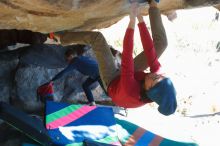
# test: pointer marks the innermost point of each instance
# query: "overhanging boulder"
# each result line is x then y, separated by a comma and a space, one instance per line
57, 15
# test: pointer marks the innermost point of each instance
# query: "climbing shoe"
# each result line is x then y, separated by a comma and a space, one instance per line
92, 104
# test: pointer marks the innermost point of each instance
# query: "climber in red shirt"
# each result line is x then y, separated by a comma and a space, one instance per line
130, 86
133, 89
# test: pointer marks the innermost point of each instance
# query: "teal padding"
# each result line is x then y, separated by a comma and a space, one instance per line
167, 142
130, 127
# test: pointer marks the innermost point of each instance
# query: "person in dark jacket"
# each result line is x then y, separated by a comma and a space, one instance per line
85, 65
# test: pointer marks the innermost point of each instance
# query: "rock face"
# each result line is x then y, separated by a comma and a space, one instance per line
8, 65
57, 15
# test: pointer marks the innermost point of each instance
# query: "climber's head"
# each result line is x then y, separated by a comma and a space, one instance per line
70, 54
160, 89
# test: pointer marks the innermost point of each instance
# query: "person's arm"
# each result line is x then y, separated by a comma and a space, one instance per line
148, 45
127, 63
127, 79
64, 72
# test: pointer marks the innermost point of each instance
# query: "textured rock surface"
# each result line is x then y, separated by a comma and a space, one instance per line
8, 64
23, 71
58, 15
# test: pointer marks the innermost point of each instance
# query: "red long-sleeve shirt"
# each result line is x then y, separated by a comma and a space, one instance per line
125, 89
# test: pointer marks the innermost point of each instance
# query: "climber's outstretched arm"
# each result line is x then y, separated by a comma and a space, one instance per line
100, 47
